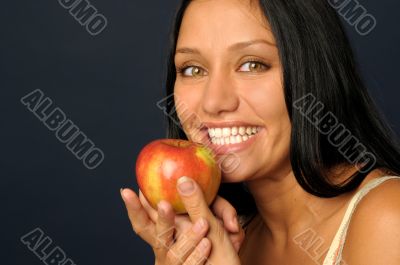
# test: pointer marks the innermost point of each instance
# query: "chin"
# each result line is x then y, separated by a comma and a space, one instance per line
235, 176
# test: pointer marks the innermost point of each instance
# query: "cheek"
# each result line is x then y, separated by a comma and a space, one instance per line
187, 97
266, 98
186, 105
267, 101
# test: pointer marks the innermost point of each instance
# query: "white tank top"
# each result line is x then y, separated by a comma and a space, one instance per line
334, 255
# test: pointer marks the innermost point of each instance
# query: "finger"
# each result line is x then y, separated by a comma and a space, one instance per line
193, 199
237, 239
150, 210
165, 227
196, 206
185, 244
225, 211
141, 223
182, 224
200, 254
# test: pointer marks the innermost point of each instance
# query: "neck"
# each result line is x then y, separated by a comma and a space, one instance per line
286, 209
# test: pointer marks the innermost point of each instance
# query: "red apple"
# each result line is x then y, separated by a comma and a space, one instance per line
162, 162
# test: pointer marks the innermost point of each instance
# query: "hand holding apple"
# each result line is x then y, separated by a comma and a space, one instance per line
165, 232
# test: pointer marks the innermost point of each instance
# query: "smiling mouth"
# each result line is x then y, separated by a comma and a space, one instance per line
232, 135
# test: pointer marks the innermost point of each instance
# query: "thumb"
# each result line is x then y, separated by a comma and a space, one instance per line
197, 207
193, 199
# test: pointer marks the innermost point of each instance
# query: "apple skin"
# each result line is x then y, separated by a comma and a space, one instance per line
162, 162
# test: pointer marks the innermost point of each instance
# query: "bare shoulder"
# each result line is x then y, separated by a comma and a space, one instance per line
373, 236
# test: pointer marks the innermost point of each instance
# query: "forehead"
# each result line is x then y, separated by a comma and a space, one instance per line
216, 23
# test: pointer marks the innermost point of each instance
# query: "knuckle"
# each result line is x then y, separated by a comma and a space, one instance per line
194, 207
163, 221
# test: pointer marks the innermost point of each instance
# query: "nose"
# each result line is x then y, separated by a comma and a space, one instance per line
219, 95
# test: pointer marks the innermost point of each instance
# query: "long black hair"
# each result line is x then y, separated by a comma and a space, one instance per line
316, 58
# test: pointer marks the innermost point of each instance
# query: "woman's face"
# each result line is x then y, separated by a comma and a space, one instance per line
228, 91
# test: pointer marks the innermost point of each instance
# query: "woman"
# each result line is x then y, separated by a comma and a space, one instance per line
274, 83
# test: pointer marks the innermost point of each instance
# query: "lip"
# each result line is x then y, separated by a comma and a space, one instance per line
230, 148
227, 124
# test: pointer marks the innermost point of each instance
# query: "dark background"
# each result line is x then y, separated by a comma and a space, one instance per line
108, 85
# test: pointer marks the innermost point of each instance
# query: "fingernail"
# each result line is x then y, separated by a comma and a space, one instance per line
120, 191
204, 244
235, 224
199, 226
185, 185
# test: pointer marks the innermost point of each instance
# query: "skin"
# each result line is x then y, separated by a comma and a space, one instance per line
216, 83
173, 237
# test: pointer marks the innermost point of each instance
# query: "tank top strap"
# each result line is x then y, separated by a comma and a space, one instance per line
334, 254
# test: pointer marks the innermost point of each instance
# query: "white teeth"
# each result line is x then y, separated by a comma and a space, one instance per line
211, 132
233, 135
234, 130
248, 130
226, 132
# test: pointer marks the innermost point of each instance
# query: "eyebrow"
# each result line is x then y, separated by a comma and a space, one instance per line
236, 46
